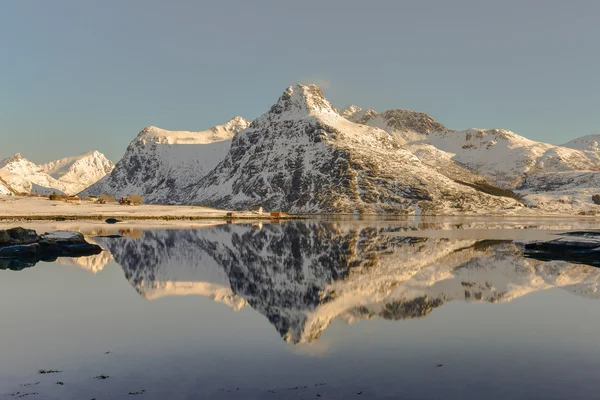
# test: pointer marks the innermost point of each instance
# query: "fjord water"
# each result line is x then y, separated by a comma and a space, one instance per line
427, 309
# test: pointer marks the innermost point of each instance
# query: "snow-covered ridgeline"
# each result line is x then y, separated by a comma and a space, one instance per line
158, 163
68, 175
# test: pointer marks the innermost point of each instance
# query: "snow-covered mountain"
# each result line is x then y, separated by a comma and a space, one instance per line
303, 156
550, 177
589, 142
158, 163
507, 158
404, 126
68, 175
303, 275
79, 172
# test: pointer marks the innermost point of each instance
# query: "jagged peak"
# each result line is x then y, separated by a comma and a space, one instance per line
350, 111
301, 101
215, 134
235, 124
416, 121
16, 158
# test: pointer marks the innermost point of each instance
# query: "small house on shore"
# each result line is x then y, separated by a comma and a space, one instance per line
257, 209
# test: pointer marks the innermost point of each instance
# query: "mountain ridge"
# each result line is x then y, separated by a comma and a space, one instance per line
66, 175
158, 163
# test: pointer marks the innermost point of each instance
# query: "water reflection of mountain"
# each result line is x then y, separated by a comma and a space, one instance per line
303, 275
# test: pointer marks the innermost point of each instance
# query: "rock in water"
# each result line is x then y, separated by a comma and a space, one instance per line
21, 248
62, 238
16, 236
24, 250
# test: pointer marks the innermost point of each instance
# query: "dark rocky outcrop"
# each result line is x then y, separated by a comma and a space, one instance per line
17, 236
22, 248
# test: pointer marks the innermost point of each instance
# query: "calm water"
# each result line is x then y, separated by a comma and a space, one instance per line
415, 309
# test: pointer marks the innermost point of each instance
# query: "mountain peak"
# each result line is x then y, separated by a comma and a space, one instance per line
16, 158
235, 124
300, 101
350, 111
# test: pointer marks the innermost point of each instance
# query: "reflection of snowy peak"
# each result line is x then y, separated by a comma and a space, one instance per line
94, 263
68, 175
303, 275
302, 156
163, 263
158, 163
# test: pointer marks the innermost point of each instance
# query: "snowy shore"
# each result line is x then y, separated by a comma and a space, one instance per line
40, 208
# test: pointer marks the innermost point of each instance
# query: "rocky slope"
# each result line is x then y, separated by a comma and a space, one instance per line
549, 177
303, 275
5, 188
508, 159
302, 156
404, 126
159, 164
68, 175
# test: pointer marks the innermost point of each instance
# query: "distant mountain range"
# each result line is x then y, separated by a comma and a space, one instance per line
68, 175
303, 155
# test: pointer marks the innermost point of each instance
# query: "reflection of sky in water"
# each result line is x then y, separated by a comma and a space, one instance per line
542, 345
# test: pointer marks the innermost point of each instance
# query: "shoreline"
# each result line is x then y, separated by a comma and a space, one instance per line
61, 218
256, 217
14, 208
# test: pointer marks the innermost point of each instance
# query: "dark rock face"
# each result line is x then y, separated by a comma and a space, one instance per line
21, 248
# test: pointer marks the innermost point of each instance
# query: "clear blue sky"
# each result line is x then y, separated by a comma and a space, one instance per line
81, 75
